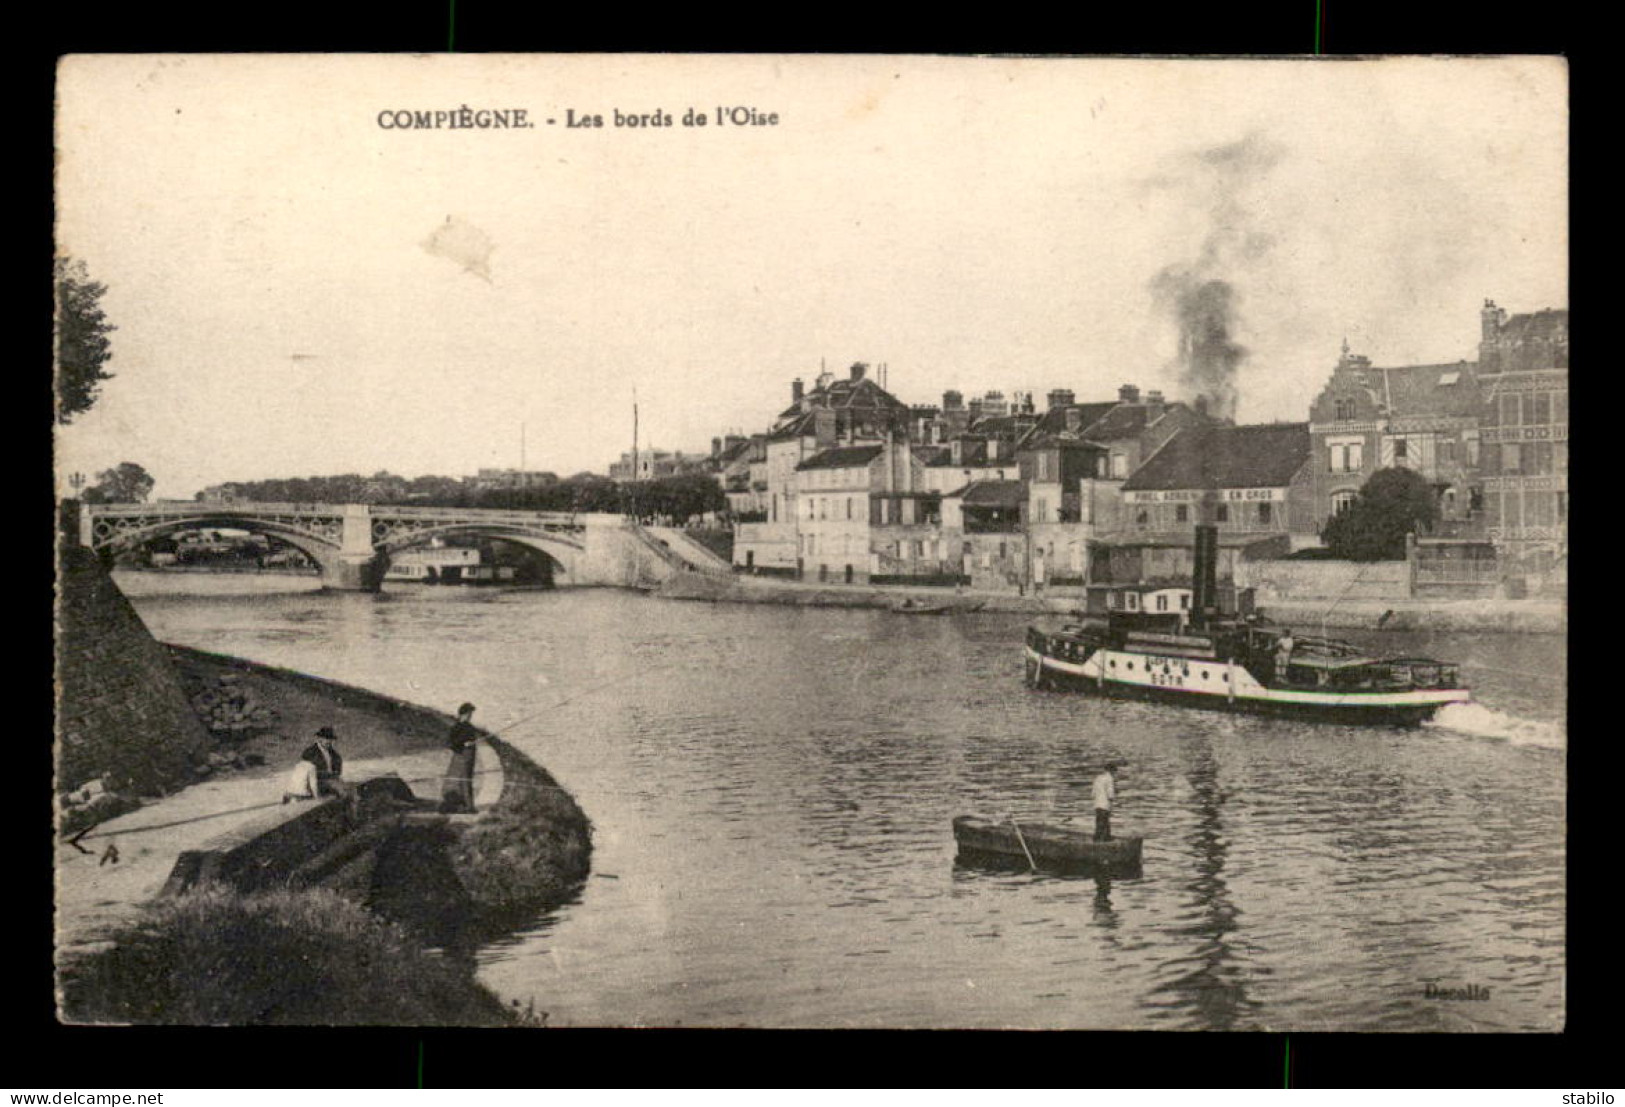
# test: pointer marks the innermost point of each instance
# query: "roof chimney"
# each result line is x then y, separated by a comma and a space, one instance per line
952, 400
795, 391
1128, 394
1153, 400
858, 369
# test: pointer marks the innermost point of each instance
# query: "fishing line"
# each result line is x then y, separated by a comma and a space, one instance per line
84, 835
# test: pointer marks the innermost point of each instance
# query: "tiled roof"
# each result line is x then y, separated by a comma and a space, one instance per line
1264, 455
1423, 389
842, 457
800, 427
993, 493
736, 451
1054, 420
1550, 323
860, 395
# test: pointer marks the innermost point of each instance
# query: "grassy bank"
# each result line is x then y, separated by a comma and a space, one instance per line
285, 958
529, 851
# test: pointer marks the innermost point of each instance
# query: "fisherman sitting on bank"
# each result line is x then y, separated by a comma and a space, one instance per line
328, 764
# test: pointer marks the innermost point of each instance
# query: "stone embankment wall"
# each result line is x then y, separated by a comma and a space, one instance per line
1535, 616
122, 715
1312, 580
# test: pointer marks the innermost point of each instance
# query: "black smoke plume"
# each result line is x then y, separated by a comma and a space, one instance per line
1200, 297
1204, 310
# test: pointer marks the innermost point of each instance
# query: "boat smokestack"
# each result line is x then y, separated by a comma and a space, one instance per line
1205, 575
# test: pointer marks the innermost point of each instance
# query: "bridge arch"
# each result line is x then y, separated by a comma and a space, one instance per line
318, 547
563, 552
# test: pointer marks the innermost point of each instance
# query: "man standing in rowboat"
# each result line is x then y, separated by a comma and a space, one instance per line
1105, 792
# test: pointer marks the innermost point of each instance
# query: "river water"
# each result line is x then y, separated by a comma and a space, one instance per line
772, 789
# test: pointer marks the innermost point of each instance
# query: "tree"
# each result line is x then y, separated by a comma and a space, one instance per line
128, 484
1393, 503
82, 348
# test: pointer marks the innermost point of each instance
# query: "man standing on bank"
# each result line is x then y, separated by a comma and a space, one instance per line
1105, 793
457, 796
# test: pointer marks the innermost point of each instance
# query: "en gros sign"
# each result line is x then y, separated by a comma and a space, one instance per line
1223, 495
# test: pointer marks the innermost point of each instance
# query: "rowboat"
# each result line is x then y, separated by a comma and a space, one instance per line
1044, 845
914, 607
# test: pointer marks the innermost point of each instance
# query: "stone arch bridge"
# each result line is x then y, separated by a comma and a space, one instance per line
353, 543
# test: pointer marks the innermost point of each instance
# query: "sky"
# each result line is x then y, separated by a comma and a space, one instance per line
300, 291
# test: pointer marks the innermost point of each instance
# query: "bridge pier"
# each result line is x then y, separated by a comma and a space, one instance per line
351, 574
358, 566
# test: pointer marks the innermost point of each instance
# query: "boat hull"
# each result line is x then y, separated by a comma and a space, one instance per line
1210, 690
1044, 845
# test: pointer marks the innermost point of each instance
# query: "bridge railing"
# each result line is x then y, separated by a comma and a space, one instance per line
484, 514
377, 511
214, 507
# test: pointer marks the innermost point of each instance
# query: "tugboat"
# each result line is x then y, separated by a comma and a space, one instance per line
1202, 657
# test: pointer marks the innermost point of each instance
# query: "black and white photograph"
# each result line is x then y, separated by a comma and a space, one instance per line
812, 542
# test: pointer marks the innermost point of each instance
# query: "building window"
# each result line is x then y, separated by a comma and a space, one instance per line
849, 507
1402, 450
1142, 518
1345, 408
1043, 466
1537, 409
1119, 466
1162, 602
1510, 412
1184, 601
1539, 457
1511, 457
1447, 449
1223, 513
1342, 501
1266, 513
1347, 456
1512, 510
1181, 513
1560, 406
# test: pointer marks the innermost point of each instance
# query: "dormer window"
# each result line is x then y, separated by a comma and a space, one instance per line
1345, 408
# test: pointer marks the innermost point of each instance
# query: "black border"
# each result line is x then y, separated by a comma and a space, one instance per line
45, 1056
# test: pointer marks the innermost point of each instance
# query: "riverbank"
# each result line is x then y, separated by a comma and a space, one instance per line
1528, 616
526, 847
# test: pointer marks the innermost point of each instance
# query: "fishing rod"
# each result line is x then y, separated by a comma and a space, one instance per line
84, 834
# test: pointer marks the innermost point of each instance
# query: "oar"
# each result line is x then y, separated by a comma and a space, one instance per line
1023, 840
